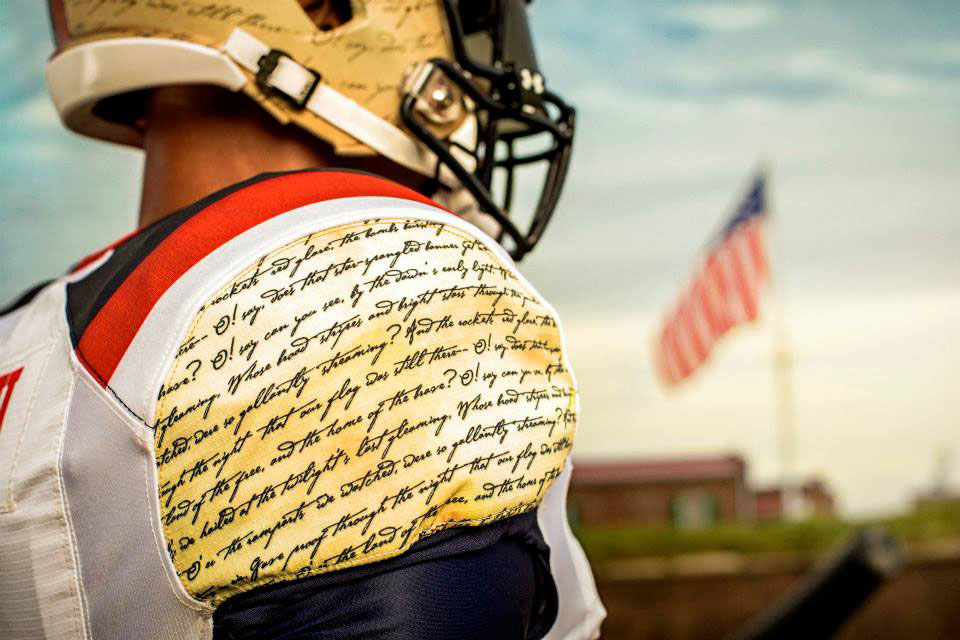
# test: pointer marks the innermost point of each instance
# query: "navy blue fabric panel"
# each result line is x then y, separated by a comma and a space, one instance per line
464, 584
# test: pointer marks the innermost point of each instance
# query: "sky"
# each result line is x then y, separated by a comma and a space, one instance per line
854, 108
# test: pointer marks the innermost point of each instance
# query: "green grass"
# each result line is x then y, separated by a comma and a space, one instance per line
806, 537
927, 524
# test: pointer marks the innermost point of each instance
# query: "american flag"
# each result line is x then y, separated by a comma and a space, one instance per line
724, 291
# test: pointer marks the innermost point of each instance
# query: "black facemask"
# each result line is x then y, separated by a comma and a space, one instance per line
496, 70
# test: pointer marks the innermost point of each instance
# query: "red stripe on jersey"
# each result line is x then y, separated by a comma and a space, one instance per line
113, 328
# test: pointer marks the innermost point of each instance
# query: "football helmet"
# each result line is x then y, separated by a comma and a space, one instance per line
448, 88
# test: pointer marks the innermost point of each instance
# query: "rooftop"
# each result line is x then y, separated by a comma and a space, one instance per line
595, 472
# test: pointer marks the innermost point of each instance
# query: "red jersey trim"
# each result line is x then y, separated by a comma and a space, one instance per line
109, 334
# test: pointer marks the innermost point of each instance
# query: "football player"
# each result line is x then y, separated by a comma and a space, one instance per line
311, 396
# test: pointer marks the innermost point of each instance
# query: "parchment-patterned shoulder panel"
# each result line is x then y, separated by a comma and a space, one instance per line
351, 393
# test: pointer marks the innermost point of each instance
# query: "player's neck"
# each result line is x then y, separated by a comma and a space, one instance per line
199, 140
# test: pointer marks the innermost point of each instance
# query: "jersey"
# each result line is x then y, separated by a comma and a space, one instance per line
301, 386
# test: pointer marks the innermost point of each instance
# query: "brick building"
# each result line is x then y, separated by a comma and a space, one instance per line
688, 493
813, 497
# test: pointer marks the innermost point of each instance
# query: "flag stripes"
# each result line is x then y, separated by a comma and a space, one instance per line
724, 291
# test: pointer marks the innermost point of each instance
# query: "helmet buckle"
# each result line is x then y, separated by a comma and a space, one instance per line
298, 84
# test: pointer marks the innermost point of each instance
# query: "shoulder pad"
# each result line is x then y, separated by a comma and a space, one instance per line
351, 392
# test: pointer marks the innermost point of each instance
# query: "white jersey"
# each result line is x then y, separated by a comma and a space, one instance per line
304, 374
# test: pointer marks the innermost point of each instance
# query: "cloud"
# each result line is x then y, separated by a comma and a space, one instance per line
856, 104
724, 17
36, 113
935, 52
801, 74
844, 71
859, 419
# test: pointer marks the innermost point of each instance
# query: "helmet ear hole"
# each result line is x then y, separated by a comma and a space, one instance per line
328, 14
124, 108
333, 68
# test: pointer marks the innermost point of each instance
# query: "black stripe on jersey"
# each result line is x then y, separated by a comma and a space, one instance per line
86, 297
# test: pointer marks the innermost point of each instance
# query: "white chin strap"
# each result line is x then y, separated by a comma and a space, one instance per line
306, 88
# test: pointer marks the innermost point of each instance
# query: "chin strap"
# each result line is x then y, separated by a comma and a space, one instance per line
277, 71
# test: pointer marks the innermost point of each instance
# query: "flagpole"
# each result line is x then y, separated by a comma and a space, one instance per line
782, 361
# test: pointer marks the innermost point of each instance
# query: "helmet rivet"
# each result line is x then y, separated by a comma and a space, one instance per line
440, 102
441, 97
